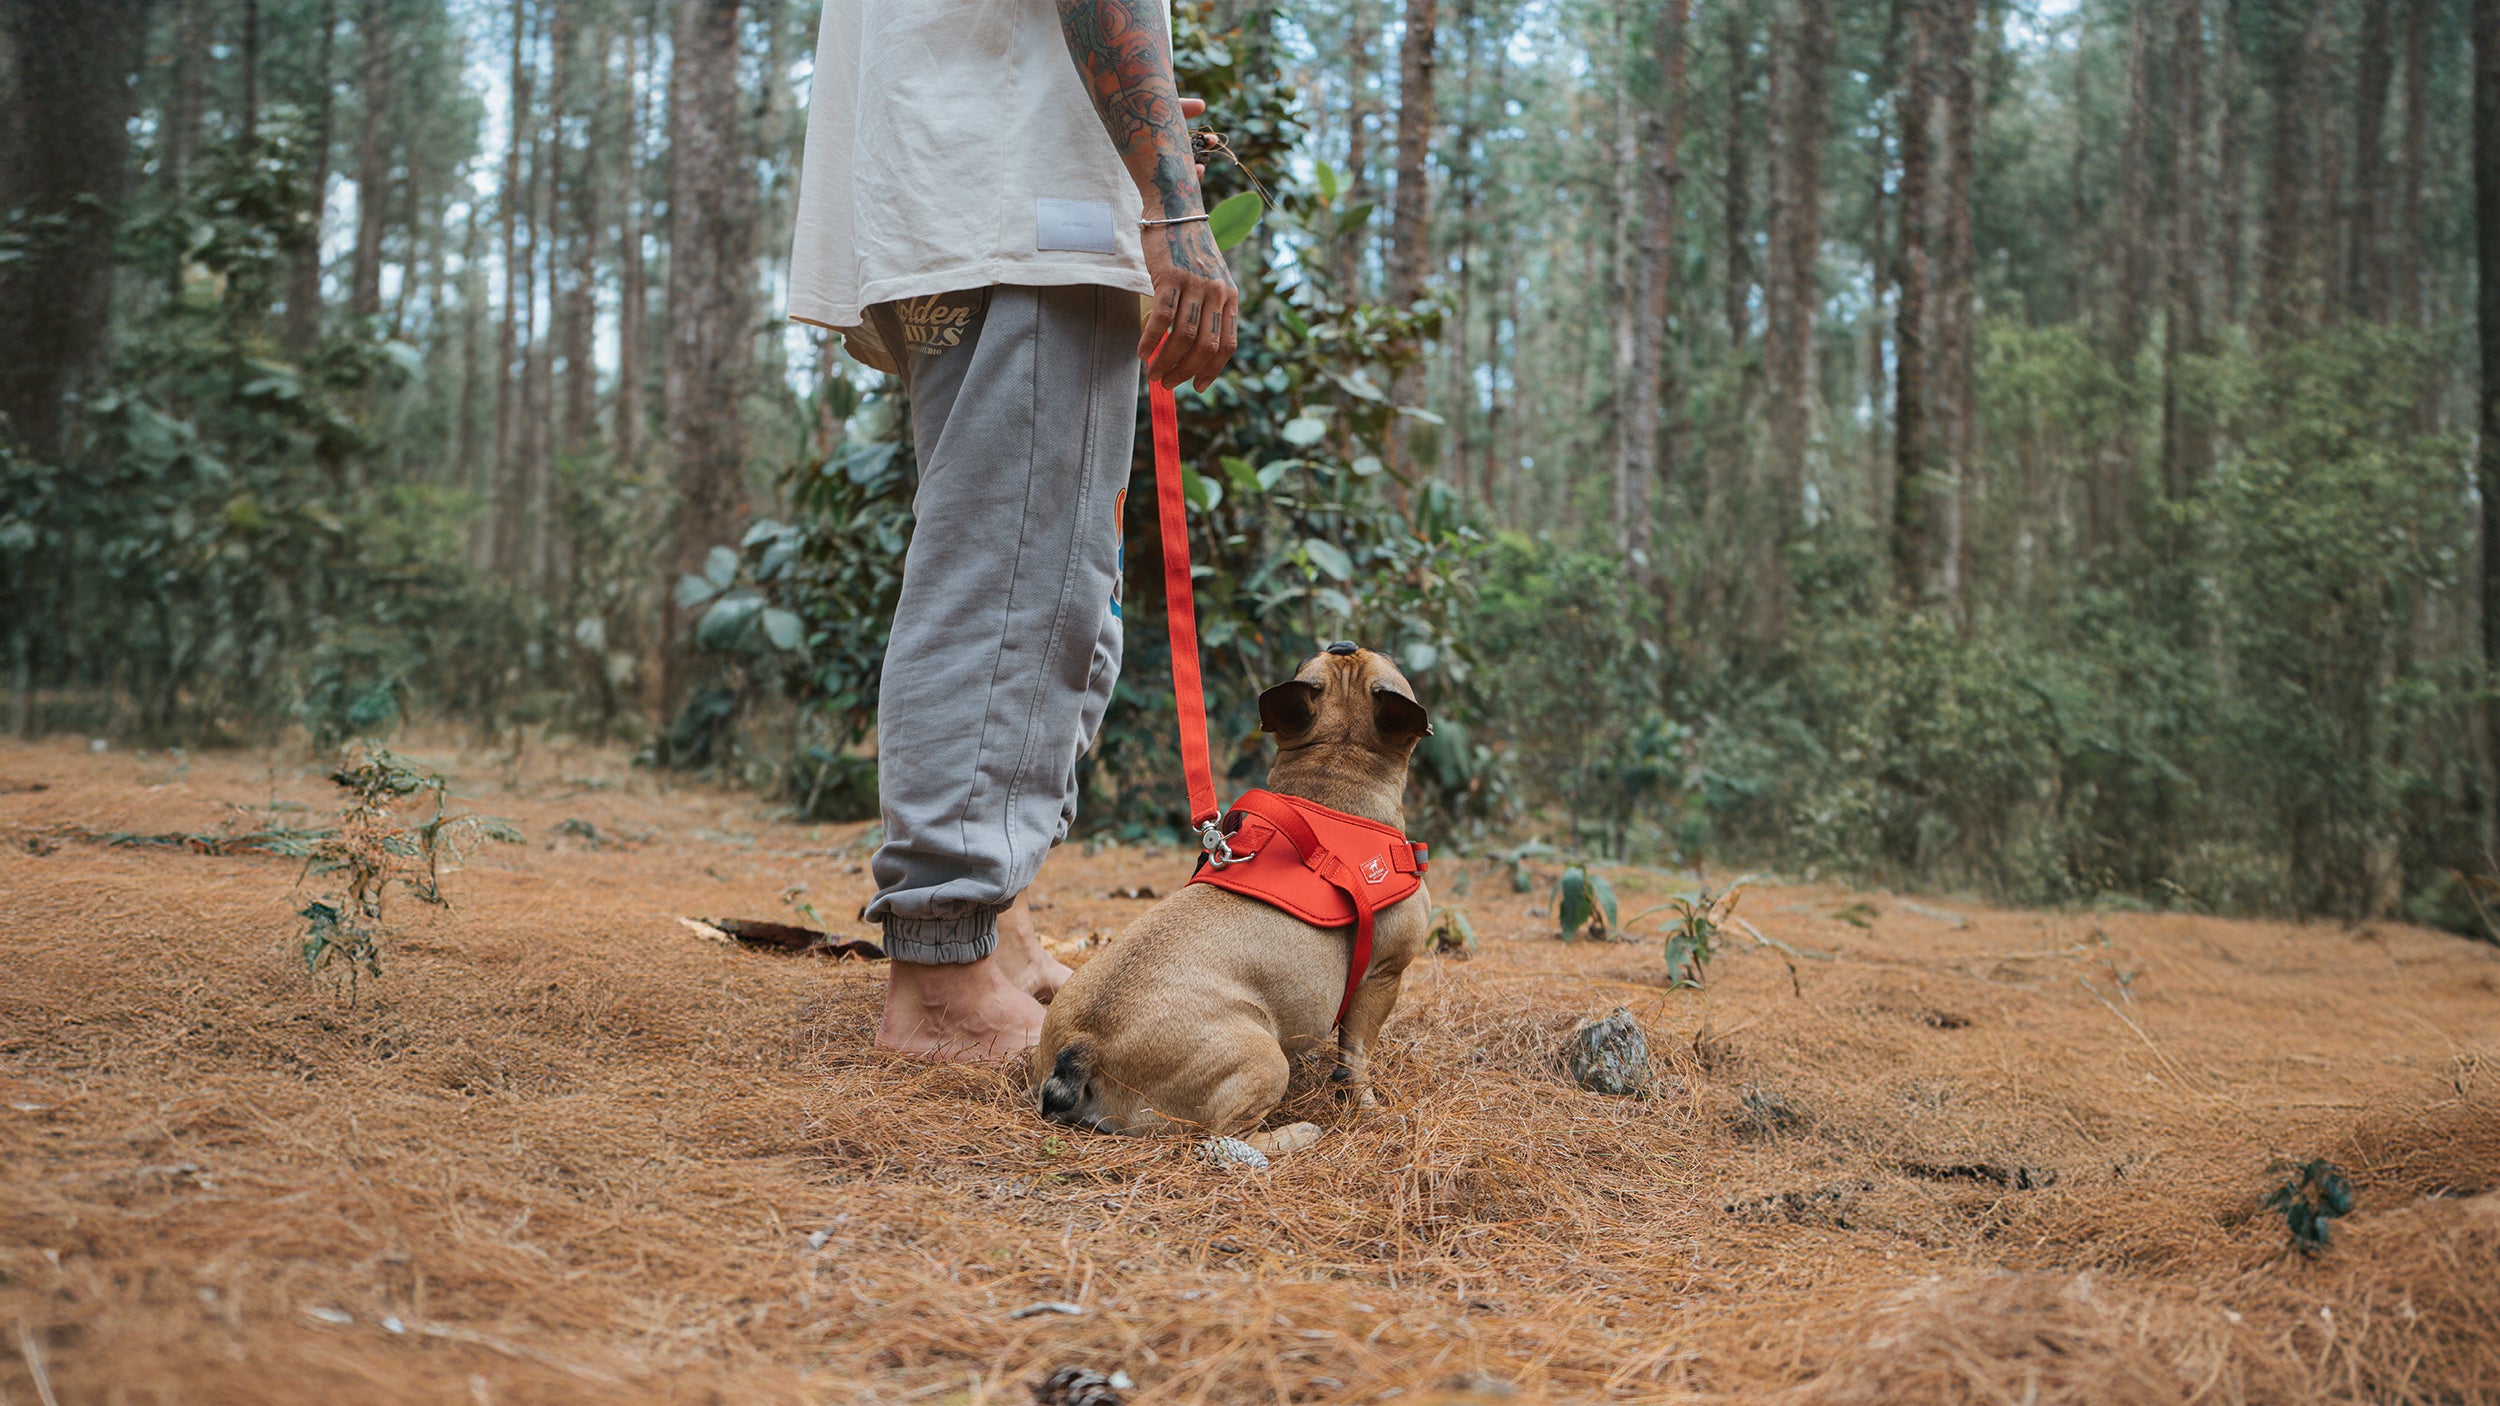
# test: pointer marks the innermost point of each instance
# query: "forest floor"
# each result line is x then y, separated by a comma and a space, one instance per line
564, 1149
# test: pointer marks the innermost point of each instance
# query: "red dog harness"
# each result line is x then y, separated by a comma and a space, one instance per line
1323, 866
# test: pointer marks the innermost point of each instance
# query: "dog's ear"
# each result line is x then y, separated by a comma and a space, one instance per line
1290, 708
1398, 718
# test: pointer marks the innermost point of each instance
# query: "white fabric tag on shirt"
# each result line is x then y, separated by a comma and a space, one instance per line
1082, 225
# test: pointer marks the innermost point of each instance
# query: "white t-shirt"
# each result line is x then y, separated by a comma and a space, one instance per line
951, 145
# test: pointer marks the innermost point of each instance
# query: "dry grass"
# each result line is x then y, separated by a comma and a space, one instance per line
564, 1151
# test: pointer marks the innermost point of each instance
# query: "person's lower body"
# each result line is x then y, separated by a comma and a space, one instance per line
1005, 645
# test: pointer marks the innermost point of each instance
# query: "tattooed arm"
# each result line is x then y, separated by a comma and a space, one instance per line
1124, 57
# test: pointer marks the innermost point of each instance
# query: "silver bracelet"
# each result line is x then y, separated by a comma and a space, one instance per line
1179, 220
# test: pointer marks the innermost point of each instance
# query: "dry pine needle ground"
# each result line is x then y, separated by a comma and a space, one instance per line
564, 1151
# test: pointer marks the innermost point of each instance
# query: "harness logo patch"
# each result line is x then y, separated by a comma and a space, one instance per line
1376, 870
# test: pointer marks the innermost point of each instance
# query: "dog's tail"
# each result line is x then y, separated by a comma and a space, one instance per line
1067, 1095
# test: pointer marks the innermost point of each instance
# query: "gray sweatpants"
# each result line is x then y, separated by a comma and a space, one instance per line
1007, 635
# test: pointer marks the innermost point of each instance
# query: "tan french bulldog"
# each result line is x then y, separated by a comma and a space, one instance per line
1188, 1020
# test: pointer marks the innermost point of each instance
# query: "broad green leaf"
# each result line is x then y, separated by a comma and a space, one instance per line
1302, 431
724, 626
693, 591
1273, 473
1417, 412
1365, 465
1571, 902
720, 566
1202, 492
1232, 220
1329, 557
1419, 657
1238, 472
1328, 185
1604, 893
784, 629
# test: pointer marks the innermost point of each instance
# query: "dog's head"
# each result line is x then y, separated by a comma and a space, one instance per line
1348, 694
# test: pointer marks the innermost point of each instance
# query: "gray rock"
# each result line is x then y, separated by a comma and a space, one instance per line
1611, 1056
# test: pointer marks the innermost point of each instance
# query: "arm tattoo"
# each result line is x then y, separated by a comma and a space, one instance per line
1121, 54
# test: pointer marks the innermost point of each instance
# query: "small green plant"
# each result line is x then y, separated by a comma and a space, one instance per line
1451, 931
2310, 1199
1584, 901
375, 848
1697, 921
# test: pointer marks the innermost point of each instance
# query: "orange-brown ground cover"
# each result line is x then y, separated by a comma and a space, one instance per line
563, 1150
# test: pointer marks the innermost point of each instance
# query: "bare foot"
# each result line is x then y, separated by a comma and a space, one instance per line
969, 1012
1022, 957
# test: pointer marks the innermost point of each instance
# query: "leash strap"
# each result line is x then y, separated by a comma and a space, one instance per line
1316, 857
1181, 613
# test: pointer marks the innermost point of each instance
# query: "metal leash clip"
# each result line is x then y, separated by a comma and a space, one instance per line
1219, 846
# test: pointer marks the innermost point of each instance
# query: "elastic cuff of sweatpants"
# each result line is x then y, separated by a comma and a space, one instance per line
939, 942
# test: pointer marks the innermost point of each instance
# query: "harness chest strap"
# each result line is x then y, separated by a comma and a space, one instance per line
1368, 867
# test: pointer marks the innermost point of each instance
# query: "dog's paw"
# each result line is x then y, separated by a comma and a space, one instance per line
1293, 1137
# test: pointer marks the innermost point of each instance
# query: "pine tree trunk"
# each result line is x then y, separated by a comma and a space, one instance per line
2133, 254
2183, 439
2413, 251
250, 104
303, 293
1357, 143
2232, 180
1913, 496
2486, 23
190, 94
1955, 417
1410, 228
1799, 87
2284, 265
1623, 301
1654, 282
581, 371
511, 496
373, 162
633, 355
540, 259
2365, 252
1736, 218
710, 292
66, 158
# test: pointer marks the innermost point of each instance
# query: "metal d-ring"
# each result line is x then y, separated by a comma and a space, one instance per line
1219, 846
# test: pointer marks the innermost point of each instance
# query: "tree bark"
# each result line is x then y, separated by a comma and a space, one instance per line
2284, 273
1956, 405
511, 495
373, 161
1654, 285
1913, 497
710, 293
2183, 439
250, 105
581, 306
1800, 104
1736, 218
2414, 244
2232, 180
2365, 253
189, 96
1357, 147
1410, 242
2133, 254
2486, 22
633, 357
65, 160
303, 294
1410, 226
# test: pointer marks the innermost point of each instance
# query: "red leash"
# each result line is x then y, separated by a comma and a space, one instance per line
1180, 608
1386, 878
